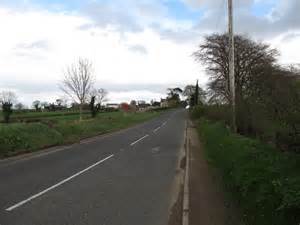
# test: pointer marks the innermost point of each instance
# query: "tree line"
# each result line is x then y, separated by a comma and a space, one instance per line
267, 93
78, 84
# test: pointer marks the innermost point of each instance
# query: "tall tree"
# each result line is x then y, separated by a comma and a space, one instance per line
44, 105
174, 95
196, 98
7, 99
100, 95
93, 107
251, 59
78, 81
37, 105
189, 93
19, 106
59, 102
267, 95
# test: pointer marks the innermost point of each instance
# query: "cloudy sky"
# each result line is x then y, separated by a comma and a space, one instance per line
138, 47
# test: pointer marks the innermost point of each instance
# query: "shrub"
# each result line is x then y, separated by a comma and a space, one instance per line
213, 112
7, 111
265, 182
255, 123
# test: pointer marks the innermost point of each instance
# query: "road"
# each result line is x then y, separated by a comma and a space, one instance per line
124, 178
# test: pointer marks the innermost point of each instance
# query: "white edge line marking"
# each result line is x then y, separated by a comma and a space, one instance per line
133, 143
156, 129
56, 185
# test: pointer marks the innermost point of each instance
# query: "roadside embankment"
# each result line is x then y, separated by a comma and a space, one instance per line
264, 181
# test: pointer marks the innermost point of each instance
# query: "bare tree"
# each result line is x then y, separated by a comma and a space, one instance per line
44, 105
100, 95
36, 105
78, 81
190, 91
19, 106
267, 94
251, 59
59, 102
174, 95
7, 99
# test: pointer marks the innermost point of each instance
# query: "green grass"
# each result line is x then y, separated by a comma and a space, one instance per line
264, 181
31, 115
16, 138
104, 123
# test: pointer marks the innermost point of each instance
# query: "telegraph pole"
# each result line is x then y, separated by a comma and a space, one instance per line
231, 64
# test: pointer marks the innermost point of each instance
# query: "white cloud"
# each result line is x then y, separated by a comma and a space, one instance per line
37, 44
134, 45
118, 97
138, 49
216, 3
288, 45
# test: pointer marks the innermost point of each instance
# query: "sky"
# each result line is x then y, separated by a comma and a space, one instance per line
139, 48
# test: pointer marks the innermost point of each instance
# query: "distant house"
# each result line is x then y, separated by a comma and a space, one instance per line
112, 105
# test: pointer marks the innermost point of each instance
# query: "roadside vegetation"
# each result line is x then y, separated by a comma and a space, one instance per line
260, 163
267, 93
264, 181
51, 130
48, 124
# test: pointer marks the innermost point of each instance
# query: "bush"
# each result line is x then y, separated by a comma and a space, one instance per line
284, 135
7, 111
265, 182
213, 112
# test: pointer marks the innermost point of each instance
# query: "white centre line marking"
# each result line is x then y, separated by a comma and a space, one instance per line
56, 185
156, 129
164, 124
133, 143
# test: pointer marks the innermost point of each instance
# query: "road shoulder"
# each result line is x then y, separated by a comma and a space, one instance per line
176, 203
208, 202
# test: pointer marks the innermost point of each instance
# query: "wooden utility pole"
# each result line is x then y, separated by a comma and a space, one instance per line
231, 64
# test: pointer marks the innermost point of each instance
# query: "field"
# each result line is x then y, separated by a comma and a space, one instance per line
29, 116
33, 131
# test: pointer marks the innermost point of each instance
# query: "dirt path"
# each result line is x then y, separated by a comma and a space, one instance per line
208, 205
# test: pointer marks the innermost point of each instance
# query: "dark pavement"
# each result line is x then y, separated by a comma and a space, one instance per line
74, 187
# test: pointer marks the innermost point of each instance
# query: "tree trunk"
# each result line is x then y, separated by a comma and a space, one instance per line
80, 112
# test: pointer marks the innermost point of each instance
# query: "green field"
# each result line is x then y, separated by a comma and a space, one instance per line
40, 130
29, 116
264, 181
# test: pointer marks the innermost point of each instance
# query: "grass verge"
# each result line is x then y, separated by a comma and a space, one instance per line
264, 181
17, 138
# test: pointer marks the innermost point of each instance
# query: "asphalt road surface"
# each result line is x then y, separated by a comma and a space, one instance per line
120, 179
